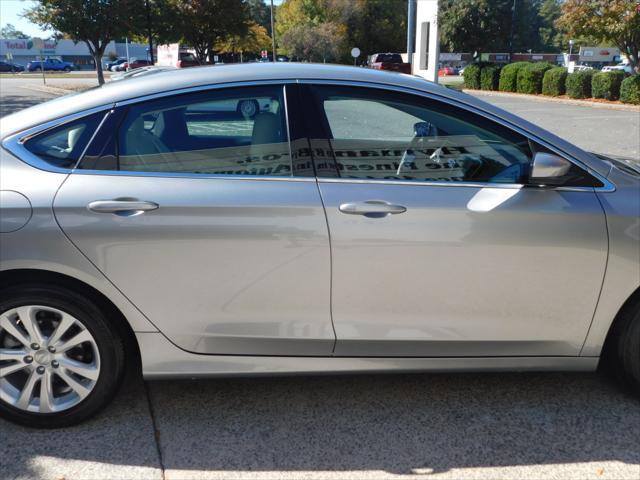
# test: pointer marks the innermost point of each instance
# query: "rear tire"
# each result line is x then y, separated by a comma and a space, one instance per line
622, 351
102, 355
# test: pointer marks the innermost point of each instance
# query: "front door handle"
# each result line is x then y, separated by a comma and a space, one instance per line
124, 208
372, 208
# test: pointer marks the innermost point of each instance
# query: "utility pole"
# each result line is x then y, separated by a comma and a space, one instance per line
513, 21
273, 35
149, 31
411, 30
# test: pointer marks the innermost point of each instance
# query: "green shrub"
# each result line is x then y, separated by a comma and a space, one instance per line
472, 76
509, 76
579, 84
530, 77
630, 90
607, 84
553, 82
489, 77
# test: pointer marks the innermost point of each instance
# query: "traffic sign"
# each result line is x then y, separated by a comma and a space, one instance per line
264, 54
355, 52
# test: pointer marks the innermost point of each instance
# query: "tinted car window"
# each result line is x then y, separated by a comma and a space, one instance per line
63, 146
376, 134
232, 132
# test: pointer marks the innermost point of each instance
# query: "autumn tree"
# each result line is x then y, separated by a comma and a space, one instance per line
326, 30
94, 22
614, 21
255, 40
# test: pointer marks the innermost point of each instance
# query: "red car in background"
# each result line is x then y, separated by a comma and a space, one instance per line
444, 71
132, 65
389, 61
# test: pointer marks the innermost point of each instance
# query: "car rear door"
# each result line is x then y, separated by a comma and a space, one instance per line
199, 216
439, 247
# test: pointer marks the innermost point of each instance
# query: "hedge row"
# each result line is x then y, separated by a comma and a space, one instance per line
554, 81
535, 78
630, 90
530, 77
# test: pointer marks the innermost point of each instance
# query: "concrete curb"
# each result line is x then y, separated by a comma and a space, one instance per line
566, 101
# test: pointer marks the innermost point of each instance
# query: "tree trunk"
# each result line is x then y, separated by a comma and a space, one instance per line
97, 51
97, 57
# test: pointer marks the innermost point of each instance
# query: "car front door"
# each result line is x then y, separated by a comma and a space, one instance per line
439, 245
191, 209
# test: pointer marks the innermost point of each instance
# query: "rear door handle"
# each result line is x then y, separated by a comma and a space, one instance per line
125, 208
372, 208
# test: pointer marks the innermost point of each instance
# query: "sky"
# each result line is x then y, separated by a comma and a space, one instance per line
10, 11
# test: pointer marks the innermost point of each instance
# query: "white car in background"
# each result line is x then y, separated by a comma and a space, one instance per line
625, 67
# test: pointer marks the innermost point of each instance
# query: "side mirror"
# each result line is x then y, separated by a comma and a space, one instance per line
549, 169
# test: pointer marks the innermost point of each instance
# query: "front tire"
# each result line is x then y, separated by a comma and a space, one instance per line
60, 359
622, 351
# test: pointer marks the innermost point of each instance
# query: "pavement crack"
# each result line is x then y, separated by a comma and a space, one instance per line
156, 431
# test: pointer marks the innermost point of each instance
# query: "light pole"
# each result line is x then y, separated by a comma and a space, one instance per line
513, 20
411, 30
148, 8
570, 48
273, 35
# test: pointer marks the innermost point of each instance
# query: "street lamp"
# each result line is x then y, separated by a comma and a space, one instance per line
273, 35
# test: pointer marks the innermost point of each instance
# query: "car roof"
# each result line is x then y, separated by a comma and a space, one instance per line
180, 79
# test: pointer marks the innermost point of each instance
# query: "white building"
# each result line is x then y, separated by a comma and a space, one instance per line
23, 52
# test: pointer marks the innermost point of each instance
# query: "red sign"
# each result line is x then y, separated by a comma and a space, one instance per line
263, 54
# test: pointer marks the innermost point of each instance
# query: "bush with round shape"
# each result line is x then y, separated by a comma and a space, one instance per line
630, 90
490, 77
579, 84
530, 77
553, 82
607, 84
472, 76
509, 76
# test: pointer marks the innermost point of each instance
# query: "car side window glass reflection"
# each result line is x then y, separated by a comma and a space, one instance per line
239, 131
382, 135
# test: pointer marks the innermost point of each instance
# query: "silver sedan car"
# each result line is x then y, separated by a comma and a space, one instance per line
357, 221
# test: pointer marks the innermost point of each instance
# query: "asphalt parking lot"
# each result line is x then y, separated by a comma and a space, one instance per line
446, 426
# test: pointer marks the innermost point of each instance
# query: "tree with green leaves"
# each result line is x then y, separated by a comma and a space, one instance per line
475, 25
552, 38
613, 21
9, 31
260, 13
202, 24
94, 22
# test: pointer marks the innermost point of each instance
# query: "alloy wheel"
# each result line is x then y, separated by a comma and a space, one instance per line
49, 361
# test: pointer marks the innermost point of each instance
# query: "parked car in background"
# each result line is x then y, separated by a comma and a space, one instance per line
389, 61
444, 71
10, 67
50, 64
139, 72
625, 67
180, 224
582, 68
109, 65
132, 65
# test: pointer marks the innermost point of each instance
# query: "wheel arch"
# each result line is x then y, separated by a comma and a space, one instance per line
113, 313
